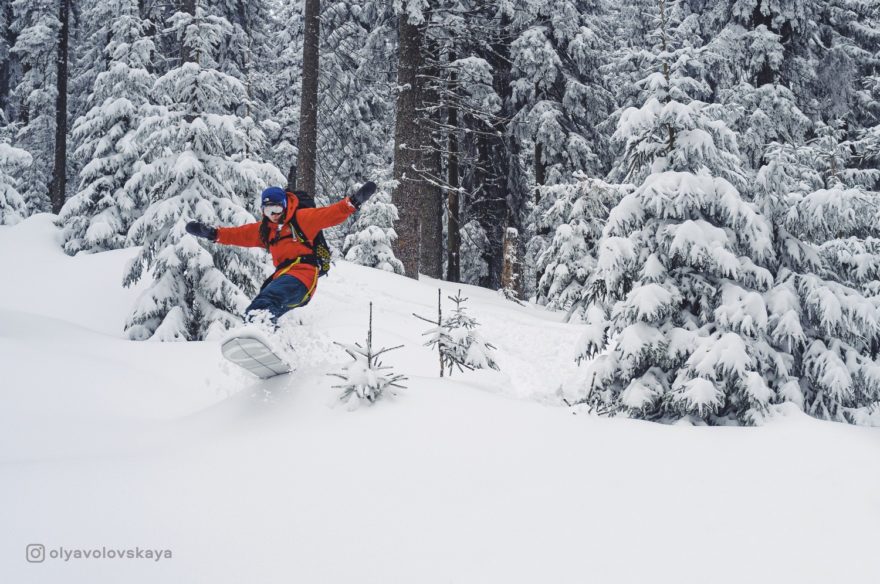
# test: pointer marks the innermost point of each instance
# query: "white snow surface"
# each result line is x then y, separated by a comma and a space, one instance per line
482, 477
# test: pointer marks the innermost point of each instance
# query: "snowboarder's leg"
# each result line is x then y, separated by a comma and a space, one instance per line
284, 293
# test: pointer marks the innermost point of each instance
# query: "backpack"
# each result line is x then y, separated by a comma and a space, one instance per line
319, 245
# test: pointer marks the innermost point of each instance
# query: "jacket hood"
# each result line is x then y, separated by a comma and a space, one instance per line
292, 204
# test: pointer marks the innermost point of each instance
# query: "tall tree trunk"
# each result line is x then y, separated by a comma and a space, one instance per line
431, 243
453, 225
308, 112
58, 187
6, 67
407, 148
540, 166
493, 153
540, 170
517, 200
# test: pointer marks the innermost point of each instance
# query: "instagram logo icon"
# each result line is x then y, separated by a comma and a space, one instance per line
35, 552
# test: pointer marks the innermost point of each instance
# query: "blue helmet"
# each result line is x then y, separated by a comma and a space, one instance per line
274, 196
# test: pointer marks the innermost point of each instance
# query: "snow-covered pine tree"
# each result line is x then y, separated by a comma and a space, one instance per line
355, 111
849, 33
88, 58
199, 165
357, 83
366, 380
780, 66
371, 234
474, 243
630, 31
824, 303
867, 100
563, 105
579, 211
37, 25
750, 68
680, 324
459, 341
559, 90
12, 161
248, 52
869, 143
285, 55
99, 215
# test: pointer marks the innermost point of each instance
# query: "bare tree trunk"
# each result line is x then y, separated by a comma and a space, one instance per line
511, 273
453, 233
308, 112
6, 67
407, 149
431, 244
58, 186
540, 170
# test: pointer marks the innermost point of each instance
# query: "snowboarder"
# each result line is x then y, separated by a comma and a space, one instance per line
288, 233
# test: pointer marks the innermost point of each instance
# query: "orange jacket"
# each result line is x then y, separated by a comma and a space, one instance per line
310, 222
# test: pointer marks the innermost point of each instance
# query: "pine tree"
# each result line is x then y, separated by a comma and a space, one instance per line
779, 67
355, 112
372, 233
748, 68
99, 215
285, 57
12, 205
563, 104
199, 157
560, 90
36, 23
824, 301
579, 212
248, 53
459, 342
474, 243
366, 380
680, 322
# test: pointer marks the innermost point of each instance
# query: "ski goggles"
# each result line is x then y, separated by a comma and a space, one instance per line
272, 209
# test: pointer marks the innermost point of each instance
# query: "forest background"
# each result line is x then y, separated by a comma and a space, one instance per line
679, 175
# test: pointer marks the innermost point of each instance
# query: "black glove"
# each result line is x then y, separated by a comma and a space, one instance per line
364, 193
201, 230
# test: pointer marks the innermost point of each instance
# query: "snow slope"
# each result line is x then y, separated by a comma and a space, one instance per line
107, 443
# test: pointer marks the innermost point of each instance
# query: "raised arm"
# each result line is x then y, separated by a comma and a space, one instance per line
313, 220
247, 235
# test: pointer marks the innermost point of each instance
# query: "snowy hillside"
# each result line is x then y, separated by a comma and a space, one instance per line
108, 444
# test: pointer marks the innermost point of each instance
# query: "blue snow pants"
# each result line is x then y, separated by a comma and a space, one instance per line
284, 293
